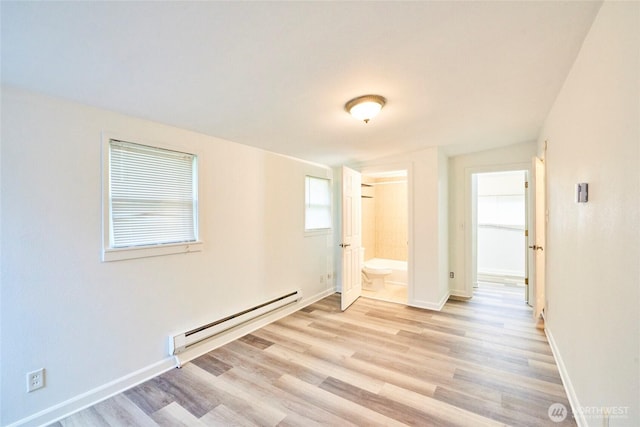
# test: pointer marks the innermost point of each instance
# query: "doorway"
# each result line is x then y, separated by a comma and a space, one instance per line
500, 200
385, 235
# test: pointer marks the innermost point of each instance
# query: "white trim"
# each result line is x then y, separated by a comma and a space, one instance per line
103, 392
430, 305
150, 251
511, 274
98, 394
566, 381
459, 293
391, 282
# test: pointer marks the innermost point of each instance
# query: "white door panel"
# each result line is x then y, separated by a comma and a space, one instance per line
351, 237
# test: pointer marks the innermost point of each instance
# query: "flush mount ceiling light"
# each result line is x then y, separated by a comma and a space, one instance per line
365, 107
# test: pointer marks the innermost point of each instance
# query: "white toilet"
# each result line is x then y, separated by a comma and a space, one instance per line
372, 278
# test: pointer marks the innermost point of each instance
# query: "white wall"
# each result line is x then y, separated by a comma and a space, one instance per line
513, 157
428, 212
88, 322
592, 252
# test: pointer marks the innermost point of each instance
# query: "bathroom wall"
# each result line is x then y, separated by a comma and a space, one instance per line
384, 218
391, 218
368, 218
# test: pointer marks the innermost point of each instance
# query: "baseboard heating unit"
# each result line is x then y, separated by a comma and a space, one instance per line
180, 342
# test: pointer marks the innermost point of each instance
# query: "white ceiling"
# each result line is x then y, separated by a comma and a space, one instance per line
276, 75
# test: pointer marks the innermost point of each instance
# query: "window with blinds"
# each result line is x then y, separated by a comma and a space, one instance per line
317, 204
152, 196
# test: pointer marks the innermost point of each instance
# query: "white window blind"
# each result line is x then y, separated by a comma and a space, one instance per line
317, 203
153, 196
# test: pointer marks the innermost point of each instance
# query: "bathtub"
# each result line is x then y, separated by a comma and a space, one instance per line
398, 269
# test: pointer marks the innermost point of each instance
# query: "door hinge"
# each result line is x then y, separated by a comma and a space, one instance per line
526, 184
526, 280
526, 233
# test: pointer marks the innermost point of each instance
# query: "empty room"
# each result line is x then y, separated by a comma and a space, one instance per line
320, 213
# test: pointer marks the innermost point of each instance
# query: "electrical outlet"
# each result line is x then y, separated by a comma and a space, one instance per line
451, 275
35, 380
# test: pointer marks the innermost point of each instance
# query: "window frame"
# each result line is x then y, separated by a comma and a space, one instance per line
110, 253
324, 230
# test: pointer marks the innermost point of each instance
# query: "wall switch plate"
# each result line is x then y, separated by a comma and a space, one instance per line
35, 380
582, 192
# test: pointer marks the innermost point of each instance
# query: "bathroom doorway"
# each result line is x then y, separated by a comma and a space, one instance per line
501, 232
385, 235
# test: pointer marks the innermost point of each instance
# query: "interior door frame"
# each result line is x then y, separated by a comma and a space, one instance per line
408, 166
471, 223
539, 176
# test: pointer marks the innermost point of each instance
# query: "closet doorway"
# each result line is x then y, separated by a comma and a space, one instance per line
501, 232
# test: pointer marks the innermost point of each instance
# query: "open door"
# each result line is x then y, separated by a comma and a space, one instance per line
540, 233
351, 237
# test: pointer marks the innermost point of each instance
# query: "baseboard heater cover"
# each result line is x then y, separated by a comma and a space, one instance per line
180, 342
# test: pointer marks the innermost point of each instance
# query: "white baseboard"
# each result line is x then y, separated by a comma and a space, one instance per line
437, 306
103, 392
391, 282
566, 381
460, 293
98, 394
501, 277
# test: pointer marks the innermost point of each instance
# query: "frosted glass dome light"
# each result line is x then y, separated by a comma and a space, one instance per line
365, 107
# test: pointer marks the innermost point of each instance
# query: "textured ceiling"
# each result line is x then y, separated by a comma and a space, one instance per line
276, 75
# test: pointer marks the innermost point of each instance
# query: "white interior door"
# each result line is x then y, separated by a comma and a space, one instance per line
540, 233
351, 237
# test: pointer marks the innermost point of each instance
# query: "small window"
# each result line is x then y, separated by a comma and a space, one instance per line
151, 201
317, 204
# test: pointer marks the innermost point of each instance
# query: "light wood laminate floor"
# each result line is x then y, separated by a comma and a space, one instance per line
476, 363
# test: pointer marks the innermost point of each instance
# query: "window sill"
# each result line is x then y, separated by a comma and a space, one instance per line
109, 255
319, 232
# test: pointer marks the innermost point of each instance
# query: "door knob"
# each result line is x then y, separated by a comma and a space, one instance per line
535, 248
344, 245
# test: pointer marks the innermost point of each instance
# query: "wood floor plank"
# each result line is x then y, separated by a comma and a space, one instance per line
240, 400
328, 368
297, 409
475, 363
222, 416
174, 415
442, 413
195, 396
120, 411
337, 405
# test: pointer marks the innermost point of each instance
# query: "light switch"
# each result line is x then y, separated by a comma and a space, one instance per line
582, 192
